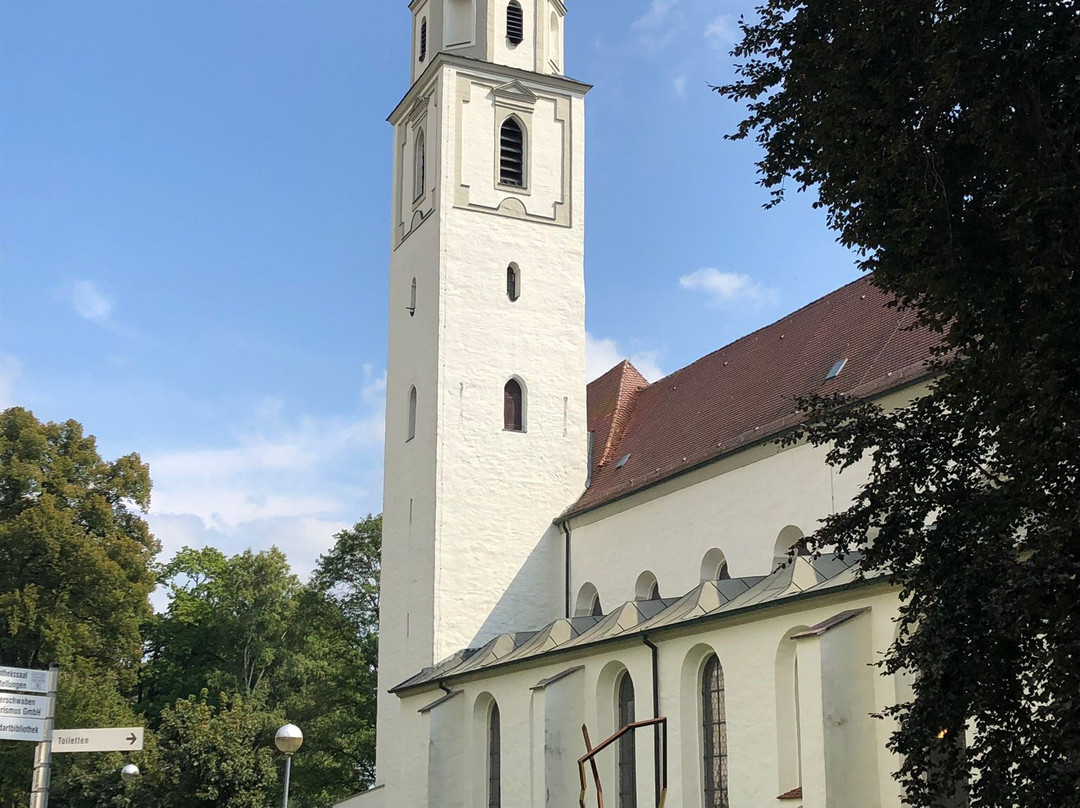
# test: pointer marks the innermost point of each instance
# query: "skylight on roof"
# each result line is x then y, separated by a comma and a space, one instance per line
622, 462
839, 366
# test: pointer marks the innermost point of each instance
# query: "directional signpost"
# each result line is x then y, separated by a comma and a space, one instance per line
114, 739
23, 680
25, 716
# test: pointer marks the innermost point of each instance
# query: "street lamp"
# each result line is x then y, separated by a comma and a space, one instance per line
129, 774
288, 739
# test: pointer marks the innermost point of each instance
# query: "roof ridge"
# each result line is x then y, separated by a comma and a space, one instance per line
757, 331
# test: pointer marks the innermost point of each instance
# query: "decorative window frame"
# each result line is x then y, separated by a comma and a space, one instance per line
514, 100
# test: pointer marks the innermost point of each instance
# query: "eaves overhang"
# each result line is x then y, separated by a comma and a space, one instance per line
635, 637
444, 59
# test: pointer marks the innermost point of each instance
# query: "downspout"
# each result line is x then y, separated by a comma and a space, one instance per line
656, 712
566, 564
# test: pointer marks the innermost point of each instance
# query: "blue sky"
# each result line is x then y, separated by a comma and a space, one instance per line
194, 234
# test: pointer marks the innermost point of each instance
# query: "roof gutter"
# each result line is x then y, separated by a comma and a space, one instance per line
655, 713
566, 564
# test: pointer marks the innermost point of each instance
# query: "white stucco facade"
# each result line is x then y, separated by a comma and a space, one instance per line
470, 550
488, 590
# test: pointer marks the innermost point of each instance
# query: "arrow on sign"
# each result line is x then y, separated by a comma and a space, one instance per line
115, 739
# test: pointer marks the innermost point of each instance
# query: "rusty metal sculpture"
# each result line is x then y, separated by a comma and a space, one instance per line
591, 753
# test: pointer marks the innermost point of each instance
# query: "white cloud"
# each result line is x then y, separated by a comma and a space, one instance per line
656, 28
374, 385
290, 483
656, 15
90, 303
725, 288
679, 85
601, 355
10, 371
722, 32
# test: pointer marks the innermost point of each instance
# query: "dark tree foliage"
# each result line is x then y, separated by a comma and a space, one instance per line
941, 138
76, 572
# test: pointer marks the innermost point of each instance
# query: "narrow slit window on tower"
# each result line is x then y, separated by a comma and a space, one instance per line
412, 299
515, 23
512, 154
419, 166
513, 282
411, 428
423, 39
513, 407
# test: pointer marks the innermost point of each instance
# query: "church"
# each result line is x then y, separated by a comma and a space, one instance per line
587, 589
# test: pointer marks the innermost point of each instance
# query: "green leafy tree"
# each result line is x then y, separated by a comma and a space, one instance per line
231, 626
335, 699
75, 574
244, 627
216, 753
941, 138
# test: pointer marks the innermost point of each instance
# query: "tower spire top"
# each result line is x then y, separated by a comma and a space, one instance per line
526, 34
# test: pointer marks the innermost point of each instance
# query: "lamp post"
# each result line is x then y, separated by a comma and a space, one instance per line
288, 739
129, 774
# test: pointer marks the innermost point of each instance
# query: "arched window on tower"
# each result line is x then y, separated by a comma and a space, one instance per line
513, 407
627, 748
419, 166
714, 734
423, 39
554, 46
411, 429
494, 759
513, 282
515, 22
412, 298
512, 154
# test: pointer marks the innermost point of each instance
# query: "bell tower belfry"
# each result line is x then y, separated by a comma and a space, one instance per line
486, 436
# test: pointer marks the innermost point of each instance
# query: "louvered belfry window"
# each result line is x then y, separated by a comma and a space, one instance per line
513, 415
494, 778
714, 734
515, 23
512, 154
627, 747
423, 39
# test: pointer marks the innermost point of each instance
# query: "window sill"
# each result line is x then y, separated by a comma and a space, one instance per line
515, 189
515, 431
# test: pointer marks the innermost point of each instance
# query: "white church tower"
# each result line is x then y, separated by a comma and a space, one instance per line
485, 417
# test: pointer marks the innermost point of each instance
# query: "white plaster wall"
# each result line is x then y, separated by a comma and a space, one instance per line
747, 651
738, 505
498, 556
469, 546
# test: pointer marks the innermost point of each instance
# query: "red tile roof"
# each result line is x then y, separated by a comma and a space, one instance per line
611, 400
746, 392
